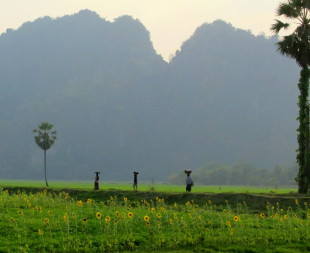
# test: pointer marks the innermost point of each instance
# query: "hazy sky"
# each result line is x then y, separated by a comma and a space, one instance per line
170, 22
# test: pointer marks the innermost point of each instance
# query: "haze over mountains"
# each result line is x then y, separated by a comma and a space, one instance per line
226, 96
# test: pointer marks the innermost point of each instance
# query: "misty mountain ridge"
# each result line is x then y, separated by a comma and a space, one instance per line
226, 96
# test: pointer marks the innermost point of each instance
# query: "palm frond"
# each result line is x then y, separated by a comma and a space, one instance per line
288, 10
294, 47
301, 3
279, 25
286, 45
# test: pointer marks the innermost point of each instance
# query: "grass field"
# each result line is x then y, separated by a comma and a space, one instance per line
51, 220
149, 187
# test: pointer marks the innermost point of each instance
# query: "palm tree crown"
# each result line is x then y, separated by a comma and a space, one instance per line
297, 44
45, 138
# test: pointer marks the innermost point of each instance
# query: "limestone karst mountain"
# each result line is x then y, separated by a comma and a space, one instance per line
226, 96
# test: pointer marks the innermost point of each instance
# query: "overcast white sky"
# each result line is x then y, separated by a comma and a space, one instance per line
170, 22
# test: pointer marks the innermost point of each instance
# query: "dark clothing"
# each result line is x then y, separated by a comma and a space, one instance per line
188, 187
135, 182
189, 183
96, 185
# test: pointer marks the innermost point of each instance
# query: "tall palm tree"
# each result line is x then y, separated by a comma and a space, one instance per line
297, 46
45, 138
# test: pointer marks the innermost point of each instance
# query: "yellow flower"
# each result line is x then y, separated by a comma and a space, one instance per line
146, 218
40, 232
49, 212
158, 215
130, 215
107, 219
98, 215
115, 221
125, 199
147, 223
117, 214
285, 216
85, 220
228, 223
67, 195
80, 203
65, 217
262, 215
152, 209
89, 201
171, 221
46, 221
20, 212
236, 218
296, 201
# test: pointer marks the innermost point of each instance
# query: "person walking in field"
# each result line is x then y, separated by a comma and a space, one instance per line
135, 180
189, 181
96, 187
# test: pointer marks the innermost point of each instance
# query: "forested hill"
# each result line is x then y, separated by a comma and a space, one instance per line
226, 96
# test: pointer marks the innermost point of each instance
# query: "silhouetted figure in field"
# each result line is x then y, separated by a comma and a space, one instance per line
135, 180
189, 181
97, 181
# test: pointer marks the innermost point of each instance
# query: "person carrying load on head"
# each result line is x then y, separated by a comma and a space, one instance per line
189, 182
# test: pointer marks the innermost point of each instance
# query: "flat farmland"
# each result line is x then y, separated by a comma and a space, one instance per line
145, 186
118, 219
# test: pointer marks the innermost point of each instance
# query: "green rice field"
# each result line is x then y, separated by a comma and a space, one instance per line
160, 187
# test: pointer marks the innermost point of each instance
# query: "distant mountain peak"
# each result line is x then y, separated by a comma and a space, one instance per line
87, 12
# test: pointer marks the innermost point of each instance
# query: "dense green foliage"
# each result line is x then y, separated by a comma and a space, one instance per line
240, 174
303, 153
119, 107
297, 46
50, 222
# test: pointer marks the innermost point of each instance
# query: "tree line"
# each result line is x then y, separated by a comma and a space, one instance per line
215, 173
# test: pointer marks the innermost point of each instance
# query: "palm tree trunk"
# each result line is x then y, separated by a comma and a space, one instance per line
45, 168
303, 152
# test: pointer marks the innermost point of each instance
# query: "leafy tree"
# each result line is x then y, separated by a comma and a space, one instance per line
45, 138
297, 46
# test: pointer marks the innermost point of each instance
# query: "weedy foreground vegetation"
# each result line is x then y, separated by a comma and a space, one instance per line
52, 221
